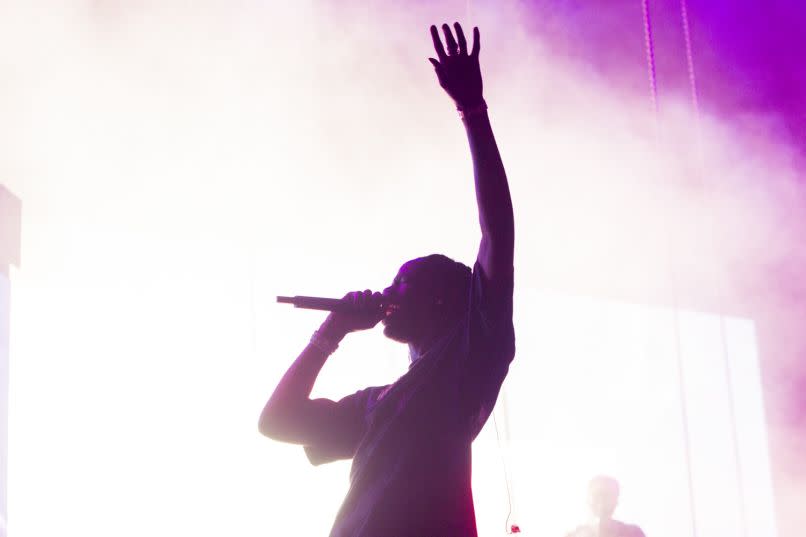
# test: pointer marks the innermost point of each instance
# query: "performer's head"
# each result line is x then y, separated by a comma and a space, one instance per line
431, 294
603, 494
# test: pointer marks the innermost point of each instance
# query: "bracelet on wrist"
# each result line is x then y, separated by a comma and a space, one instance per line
324, 343
474, 110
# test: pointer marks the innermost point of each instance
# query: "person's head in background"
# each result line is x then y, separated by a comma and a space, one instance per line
603, 494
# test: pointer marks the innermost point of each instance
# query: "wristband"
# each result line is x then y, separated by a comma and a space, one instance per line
323, 343
471, 111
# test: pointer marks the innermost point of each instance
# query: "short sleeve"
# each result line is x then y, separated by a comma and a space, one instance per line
343, 424
491, 344
491, 329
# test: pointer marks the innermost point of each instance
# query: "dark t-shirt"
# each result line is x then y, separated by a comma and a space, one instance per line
410, 441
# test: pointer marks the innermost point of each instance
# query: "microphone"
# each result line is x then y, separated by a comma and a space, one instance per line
329, 304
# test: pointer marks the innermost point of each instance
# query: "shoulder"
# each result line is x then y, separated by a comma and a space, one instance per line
492, 294
636, 532
631, 530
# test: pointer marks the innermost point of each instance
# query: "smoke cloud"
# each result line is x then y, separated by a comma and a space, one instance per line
178, 164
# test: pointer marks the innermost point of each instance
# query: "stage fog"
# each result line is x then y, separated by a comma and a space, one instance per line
181, 165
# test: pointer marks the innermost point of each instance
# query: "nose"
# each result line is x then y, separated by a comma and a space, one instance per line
389, 293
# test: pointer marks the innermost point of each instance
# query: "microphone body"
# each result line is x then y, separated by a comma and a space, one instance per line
328, 304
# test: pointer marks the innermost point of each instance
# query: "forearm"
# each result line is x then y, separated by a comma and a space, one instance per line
492, 194
459, 74
287, 405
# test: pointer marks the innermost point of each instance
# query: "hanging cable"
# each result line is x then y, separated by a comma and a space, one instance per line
692, 80
649, 45
509, 528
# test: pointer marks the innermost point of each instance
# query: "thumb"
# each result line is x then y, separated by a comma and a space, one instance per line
434, 62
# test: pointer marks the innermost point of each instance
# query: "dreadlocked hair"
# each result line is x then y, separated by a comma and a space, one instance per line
450, 279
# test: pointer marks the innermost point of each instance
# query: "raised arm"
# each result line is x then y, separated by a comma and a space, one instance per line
459, 75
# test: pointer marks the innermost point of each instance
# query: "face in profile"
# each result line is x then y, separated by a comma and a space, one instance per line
409, 292
603, 496
423, 298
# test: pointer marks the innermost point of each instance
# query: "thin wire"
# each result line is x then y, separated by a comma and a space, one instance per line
735, 437
650, 58
649, 44
506, 474
692, 79
689, 55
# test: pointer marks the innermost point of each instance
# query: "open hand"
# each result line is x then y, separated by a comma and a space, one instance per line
458, 72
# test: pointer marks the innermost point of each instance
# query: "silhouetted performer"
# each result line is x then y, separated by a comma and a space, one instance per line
603, 494
410, 440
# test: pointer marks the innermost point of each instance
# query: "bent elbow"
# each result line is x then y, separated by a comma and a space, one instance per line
281, 423
270, 425
264, 426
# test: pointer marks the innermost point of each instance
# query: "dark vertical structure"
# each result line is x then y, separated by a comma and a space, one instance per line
10, 211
